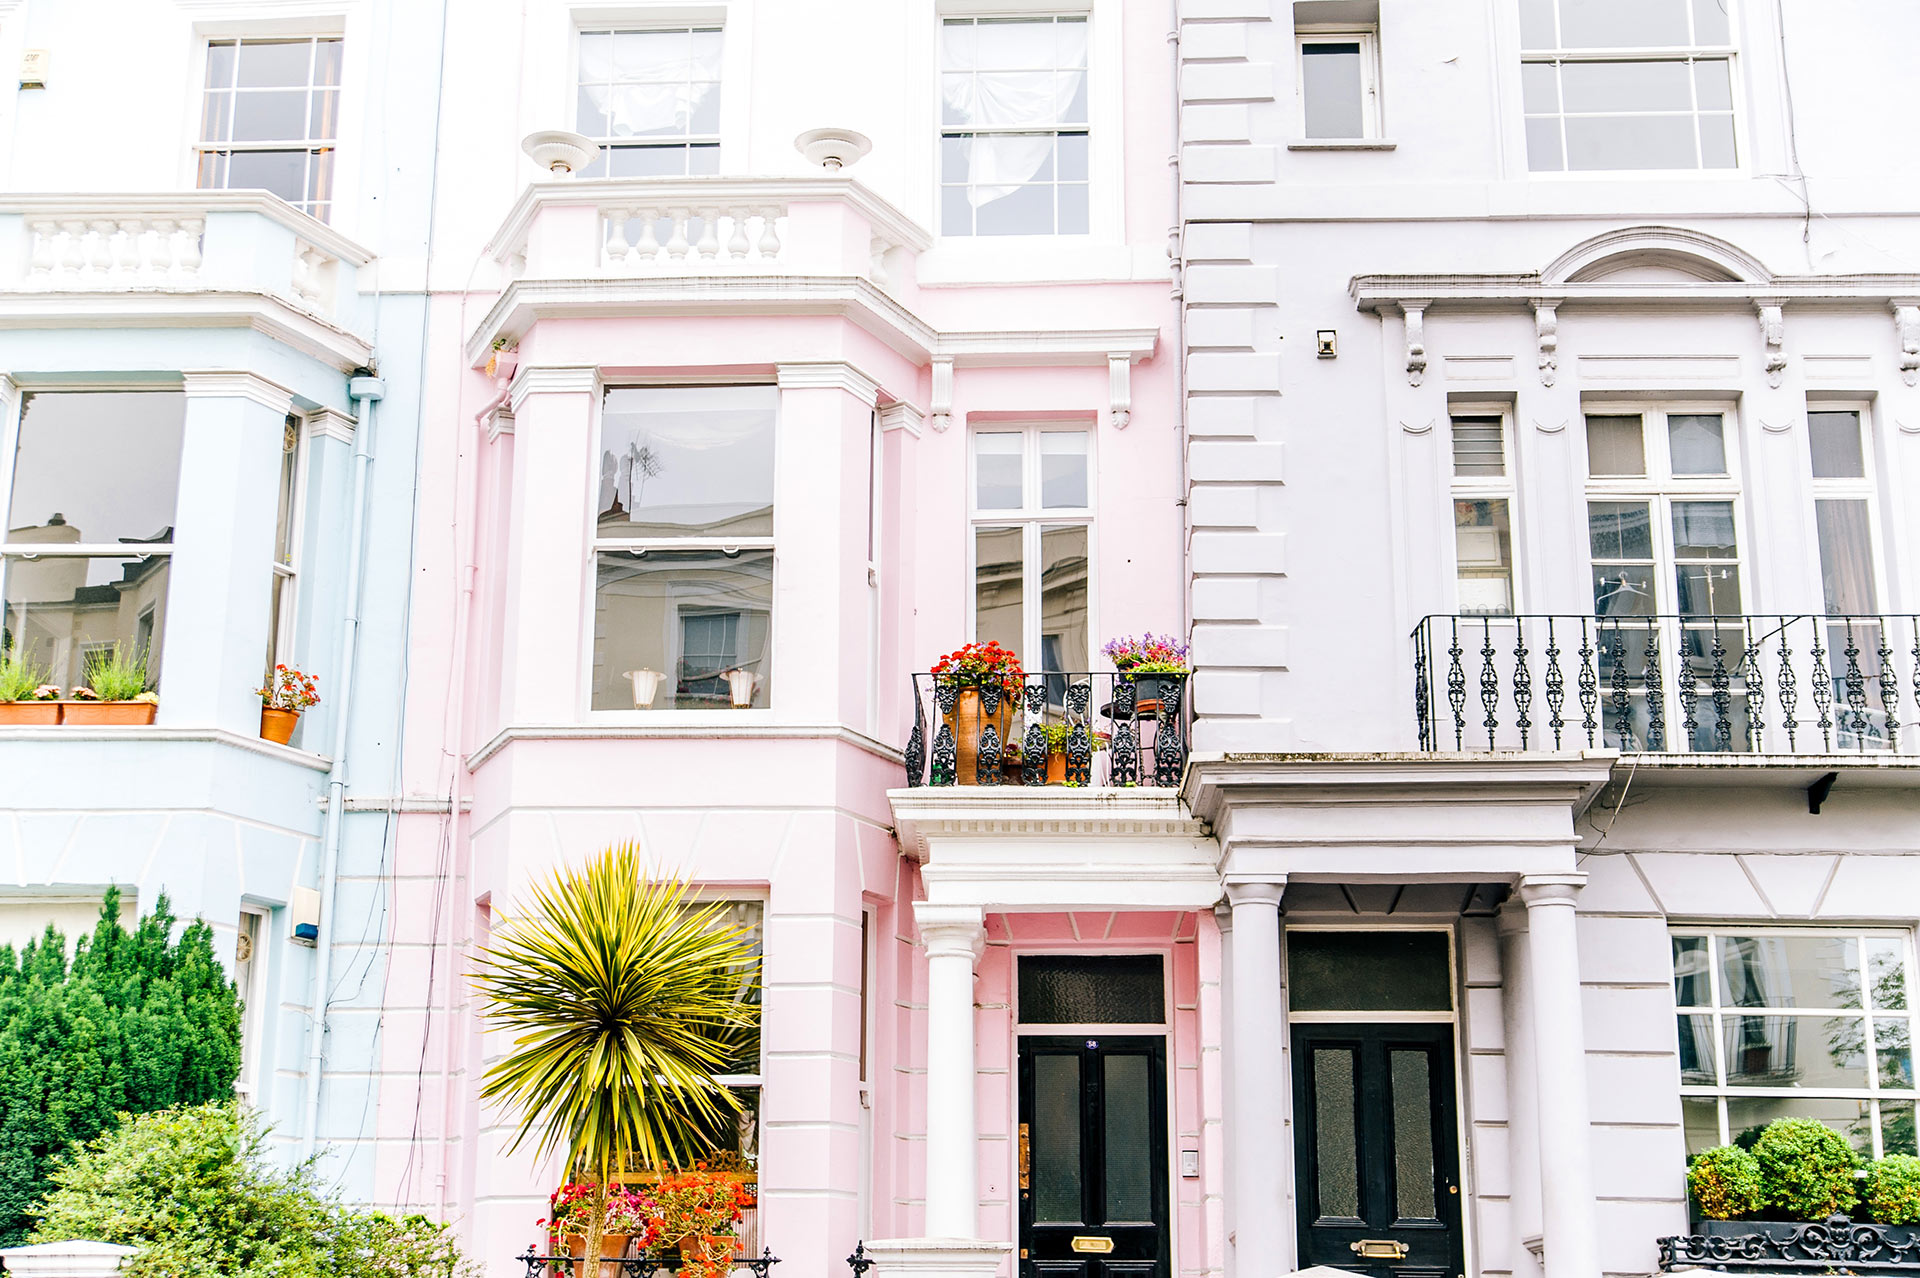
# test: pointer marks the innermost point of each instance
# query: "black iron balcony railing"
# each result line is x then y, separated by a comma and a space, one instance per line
561, 1265
1077, 728
1760, 684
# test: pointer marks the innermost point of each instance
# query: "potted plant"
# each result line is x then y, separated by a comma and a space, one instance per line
1057, 750
115, 692
1725, 1183
966, 671
1150, 663
287, 693
25, 695
628, 1217
700, 1211
1893, 1189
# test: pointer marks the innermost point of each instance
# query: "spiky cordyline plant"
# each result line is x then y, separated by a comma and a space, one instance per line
624, 1000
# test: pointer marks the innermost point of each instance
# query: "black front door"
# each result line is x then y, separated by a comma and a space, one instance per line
1093, 1158
1377, 1160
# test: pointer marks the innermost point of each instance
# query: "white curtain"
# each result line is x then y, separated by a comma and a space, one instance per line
646, 83
999, 165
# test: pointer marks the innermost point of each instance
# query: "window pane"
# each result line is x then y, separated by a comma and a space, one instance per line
1703, 530
1620, 530
1543, 146
1893, 1046
1063, 469
997, 470
1330, 87
1063, 598
1896, 1127
1746, 1115
1055, 1138
1537, 25
1013, 44
1813, 1052
270, 116
275, 63
1084, 989
284, 173
1810, 970
1692, 979
1714, 84
1599, 142
676, 623
1615, 446
1622, 591
1626, 86
1716, 142
1006, 209
1483, 551
326, 62
1698, 1052
1710, 22
1539, 88
687, 461
1128, 1111
97, 467
1477, 447
62, 610
1708, 590
1368, 972
1846, 556
999, 582
1414, 1189
221, 55
1834, 438
1336, 1141
1887, 972
1695, 443
1622, 24
1701, 1117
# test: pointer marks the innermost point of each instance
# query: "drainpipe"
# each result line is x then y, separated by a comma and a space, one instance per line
365, 390
1177, 252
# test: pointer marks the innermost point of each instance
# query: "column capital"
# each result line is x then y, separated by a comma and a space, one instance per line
834, 376
553, 379
1267, 891
238, 385
1511, 920
901, 416
330, 423
1551, 889
951, 931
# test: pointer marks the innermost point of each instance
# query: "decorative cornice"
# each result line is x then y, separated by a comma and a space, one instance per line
238, 385
552, 379
275, 317
329, 423
728, 729
901, 416
1383, 293
828, 376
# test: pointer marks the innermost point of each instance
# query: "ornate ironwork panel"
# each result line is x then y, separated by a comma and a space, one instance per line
1835, 1243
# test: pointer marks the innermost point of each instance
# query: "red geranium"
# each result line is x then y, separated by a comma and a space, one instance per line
975, 664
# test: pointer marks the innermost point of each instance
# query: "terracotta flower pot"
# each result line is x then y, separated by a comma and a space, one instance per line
29, 712
612, 1248
278, 725
1056, 767
107, 713
966, 721
709, 1253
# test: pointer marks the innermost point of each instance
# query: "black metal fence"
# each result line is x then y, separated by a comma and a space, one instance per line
565, 1266
1078, 728
1834, 1245
1762, 684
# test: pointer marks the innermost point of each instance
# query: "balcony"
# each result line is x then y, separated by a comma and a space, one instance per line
1761, 685
1076, 729
197, 255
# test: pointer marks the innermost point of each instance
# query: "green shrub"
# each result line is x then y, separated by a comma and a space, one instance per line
137, 1022
1806, 1169
114, 676
21, 677
1725, 1182
1893, 1189
195, 1190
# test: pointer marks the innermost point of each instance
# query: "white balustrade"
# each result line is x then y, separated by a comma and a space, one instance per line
652, 239
314, 272
121, 252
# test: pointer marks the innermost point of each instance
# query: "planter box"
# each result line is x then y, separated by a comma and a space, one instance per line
107, 713
1781, 1244
37, 713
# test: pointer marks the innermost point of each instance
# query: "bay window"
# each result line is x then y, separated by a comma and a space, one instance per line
89, 532
651, 99
271, 118
1032, 529
1795, 1023
1623, 86
683, 548
1013, 126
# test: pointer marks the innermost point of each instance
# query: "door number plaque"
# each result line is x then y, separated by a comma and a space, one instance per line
1087, 1242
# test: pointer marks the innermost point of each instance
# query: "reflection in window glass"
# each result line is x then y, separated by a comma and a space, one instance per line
1783, 1011
271, 117
1376, 971
97, 468
687, 461
1063, 469
1483, 549
1063, 598
682, 629
62, 610
1013, 131
998, 462
999, 587
652, 100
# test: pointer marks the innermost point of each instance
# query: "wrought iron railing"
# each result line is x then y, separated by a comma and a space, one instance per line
565, 1266
1834, 1245
1077, 728
1761, 684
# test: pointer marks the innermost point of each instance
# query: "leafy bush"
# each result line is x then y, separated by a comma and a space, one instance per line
195, 1190
1806, 1168
1893, 1189
1725, 1182
116, 676
21, 677
137, 1022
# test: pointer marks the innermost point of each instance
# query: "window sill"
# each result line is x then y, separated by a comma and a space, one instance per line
150, 732
667, 725
1342, 144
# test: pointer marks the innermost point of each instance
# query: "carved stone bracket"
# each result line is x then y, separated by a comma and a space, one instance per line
1546, 330
1773, 328
1906, 323
940, 410
1120, 388
1415, 313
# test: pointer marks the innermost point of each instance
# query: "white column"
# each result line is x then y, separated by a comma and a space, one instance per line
1560, 1059
1264, 1239
1523, 1144
954, 936
1223, 918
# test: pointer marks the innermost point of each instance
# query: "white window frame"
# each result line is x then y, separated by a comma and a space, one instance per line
596, 545
253, 1013
642, 26
1030, 518
1873, 1093
254, 33
1688, 53
1865, 488
1368, 37
1501, 487
281, 643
